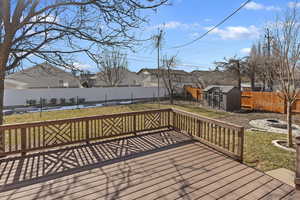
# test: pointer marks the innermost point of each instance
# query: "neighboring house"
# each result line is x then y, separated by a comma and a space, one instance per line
214, 77
247, 86
87, 80
180, 78
41, 76
126, 79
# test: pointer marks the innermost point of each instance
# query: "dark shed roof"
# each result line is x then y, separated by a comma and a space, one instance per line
223, 88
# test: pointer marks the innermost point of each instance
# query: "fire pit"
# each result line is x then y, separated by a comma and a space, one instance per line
273, 126
273, 120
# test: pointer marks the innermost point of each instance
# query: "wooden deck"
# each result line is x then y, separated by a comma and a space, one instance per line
161, 165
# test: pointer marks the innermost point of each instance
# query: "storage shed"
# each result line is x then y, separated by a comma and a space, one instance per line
222, 97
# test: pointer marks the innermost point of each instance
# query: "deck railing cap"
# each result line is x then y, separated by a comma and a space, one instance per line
209, 119
37, 123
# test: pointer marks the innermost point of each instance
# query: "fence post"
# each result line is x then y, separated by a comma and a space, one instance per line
77, 102
241, 143
23, 141
41, 106
297, 176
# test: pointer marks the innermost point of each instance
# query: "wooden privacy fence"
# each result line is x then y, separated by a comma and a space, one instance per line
22, 138
267, 101
196, 93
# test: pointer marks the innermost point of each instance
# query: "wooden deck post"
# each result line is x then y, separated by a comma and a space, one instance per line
134, 125
2, 141
241, 144
174, 119
297, 176
87, 131
23, 141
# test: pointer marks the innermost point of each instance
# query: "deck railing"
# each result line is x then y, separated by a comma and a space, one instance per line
22, 138
223, 136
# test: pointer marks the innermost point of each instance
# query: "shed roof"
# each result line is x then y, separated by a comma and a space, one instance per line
223, 88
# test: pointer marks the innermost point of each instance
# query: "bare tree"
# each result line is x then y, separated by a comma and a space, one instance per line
112, 66
57, 30
286, 33
263, 60
168, 76
234, 65
252, 63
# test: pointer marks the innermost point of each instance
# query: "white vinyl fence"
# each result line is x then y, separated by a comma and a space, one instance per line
18, 97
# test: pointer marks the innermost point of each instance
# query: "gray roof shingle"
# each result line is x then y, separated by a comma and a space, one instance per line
44, 76
223, 88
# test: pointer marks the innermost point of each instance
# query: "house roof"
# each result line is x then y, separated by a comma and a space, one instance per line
223, 88
43, 76
216, 77
155, 71
129, 78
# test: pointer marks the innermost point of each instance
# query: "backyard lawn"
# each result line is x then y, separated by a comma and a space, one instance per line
259, 152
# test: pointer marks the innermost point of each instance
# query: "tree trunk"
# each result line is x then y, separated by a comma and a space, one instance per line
252, 80
264, 85
2, 138
239, 75
171, 98
239, 82
289, 124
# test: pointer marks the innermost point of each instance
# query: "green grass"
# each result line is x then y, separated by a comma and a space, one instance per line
186, 107
64, 114
259, 152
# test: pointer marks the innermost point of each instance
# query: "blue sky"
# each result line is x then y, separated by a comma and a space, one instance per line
187, 19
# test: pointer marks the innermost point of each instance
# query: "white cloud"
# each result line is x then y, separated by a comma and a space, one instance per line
245, 50
236, 32
194, 35
292, 4
45, 18
257, 6
176, 25
82, 66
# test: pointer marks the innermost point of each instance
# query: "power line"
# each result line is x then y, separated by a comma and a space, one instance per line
213, 28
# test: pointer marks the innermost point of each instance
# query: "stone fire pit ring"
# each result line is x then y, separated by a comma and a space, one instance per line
274, 126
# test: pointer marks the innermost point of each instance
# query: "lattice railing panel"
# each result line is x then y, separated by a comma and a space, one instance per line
21, 138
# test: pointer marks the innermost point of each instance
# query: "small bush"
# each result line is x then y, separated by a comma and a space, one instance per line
72, 100
31, 102
81, 100
53, 101
62, 101
43, 102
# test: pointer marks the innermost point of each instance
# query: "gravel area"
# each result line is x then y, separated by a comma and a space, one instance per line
243, 119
